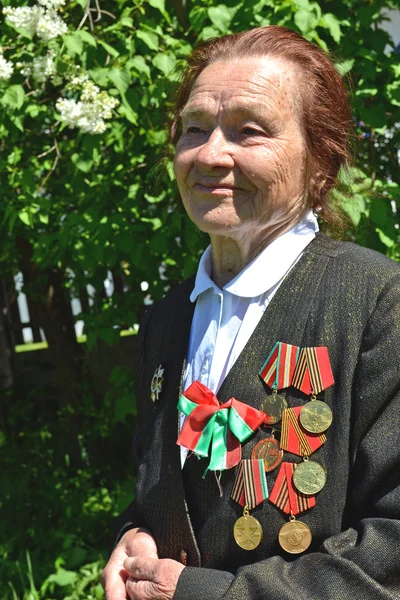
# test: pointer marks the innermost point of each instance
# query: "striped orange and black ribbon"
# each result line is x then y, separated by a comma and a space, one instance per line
294, 438
313, 371
285, 496
250, 487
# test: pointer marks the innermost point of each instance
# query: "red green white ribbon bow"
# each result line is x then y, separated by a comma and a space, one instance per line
223, 427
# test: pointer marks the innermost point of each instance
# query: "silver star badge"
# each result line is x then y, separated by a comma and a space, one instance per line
156, 384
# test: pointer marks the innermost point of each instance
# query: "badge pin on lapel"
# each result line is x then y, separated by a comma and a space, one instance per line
156, 383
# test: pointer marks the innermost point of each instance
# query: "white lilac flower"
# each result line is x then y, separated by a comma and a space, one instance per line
50, 25
47, 24
51, 4
23, 17
78, 80
6, 67
43, 67
87, 114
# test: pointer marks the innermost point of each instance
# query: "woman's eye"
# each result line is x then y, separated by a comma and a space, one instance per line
194, 130
251, 131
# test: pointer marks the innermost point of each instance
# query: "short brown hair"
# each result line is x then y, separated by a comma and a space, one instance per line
325, 110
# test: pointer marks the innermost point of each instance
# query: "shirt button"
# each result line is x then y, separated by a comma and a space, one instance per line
183, 558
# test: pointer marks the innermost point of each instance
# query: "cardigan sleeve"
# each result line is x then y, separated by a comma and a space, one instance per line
130, 519
363, 560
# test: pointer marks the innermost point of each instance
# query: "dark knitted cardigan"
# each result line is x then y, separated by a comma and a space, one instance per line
340, 296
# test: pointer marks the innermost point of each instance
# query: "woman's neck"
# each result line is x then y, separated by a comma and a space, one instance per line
231, 255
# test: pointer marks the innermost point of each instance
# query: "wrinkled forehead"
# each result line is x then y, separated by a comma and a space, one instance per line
254, 82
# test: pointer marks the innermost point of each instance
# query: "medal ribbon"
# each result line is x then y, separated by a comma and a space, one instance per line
251, 483
285, 496
294, 438
278, 369
313, 372
221, 426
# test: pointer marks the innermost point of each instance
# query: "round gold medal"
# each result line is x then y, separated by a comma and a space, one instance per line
295, 537
270, 452
247, 532
273, 406
309, 477
316, 416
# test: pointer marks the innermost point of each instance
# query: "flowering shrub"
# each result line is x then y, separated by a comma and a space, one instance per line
6, 67
89, 112
41, 19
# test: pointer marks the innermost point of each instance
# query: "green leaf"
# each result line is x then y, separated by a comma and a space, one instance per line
87, 37
121, 80
305, 20
221, 17
156, 223
139, 64
84, 165
393, 92
26, 217
367, 92
197, 16
355, 208
13, 96
111, 51
344, 66
330, 22
160, 4
208, 32
82, 3
385, 239
63, 578
164, 62
149, 38
73, 42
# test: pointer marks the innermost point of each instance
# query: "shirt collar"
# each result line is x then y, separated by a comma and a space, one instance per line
267, 268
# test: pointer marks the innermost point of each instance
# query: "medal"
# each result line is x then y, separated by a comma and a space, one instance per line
156, 384
284, 494
277, 373
273, 406
270, 452
294, 438
247, 531
316, 416
309, 477
313, 374
249, 490
295, 536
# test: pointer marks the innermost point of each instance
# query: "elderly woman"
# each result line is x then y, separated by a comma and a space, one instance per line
261, 132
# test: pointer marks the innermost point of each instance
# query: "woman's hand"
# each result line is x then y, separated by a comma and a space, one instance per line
152, 578
136, 542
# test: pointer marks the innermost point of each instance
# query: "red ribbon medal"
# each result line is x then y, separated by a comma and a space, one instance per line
251, 483
313, 372
284, 494
296, 439
277, 371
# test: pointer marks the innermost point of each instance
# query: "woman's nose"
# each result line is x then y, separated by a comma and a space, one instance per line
215, 152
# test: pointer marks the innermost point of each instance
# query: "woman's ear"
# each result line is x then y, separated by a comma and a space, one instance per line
316, 186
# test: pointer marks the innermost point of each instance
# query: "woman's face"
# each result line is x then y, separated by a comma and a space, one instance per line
240, 162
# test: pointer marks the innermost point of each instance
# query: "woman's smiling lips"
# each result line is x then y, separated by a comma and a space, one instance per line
215, 188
